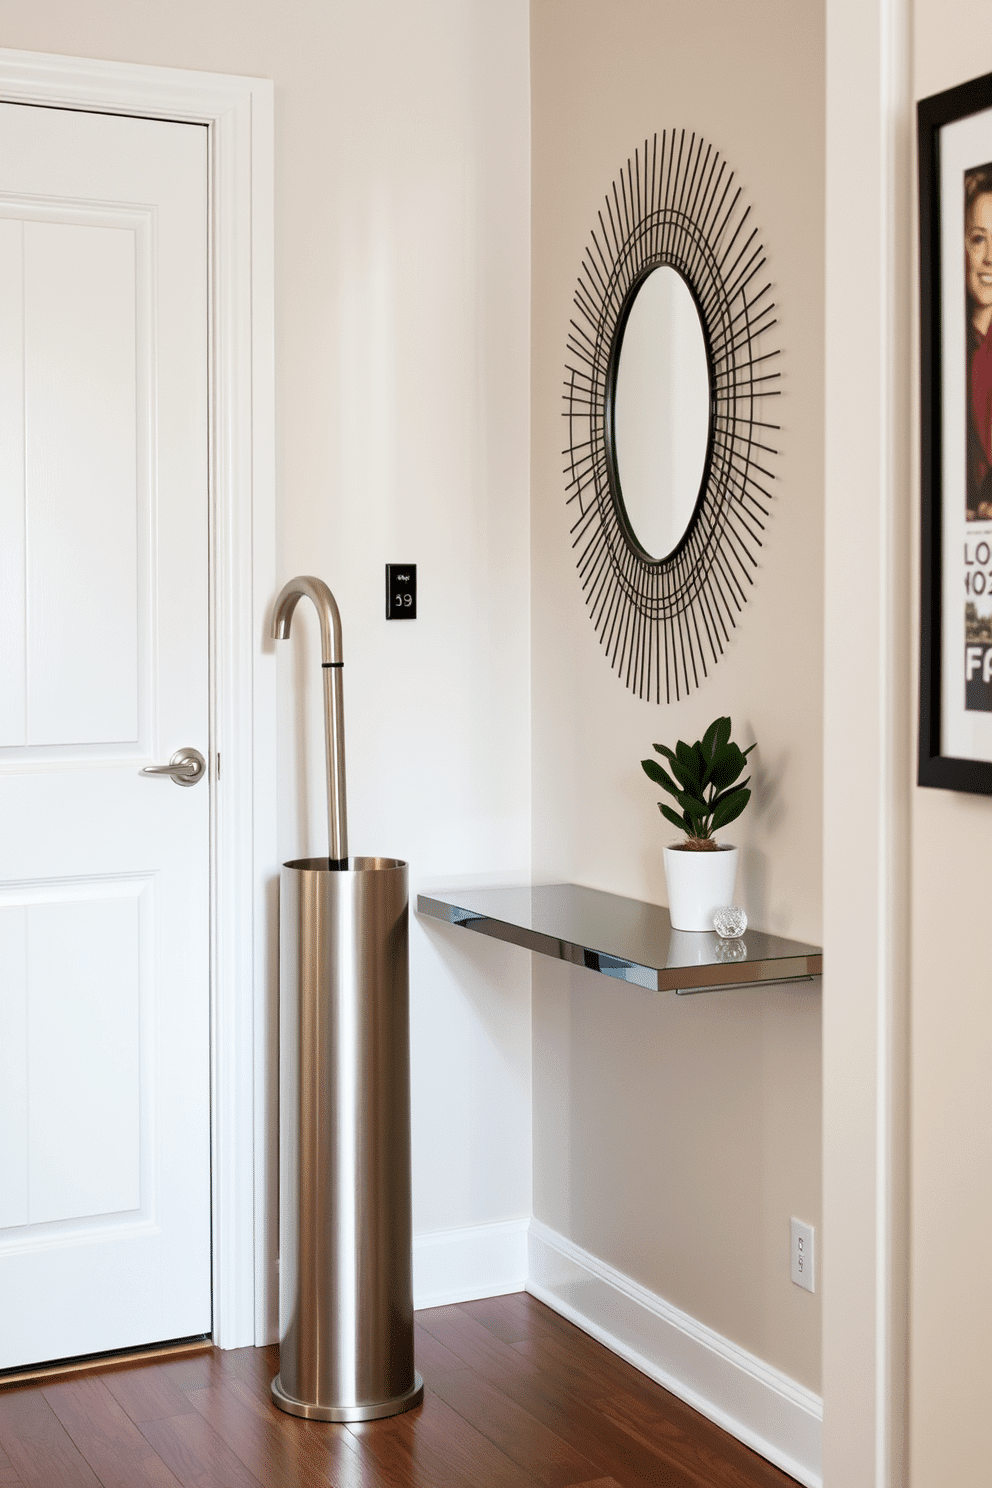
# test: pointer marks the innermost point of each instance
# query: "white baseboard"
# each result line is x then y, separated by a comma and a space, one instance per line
460, 1265
754, 1402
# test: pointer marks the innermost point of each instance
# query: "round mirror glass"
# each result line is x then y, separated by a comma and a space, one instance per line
661, 411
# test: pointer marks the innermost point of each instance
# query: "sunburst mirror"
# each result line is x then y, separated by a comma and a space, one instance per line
668, 459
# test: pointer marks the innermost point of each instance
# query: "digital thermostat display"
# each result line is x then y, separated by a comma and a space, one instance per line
401, 591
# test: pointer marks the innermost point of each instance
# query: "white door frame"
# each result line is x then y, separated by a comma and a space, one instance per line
868, 741
238, 113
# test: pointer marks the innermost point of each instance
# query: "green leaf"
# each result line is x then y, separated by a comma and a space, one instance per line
661, 777
709, 738
686, 757
724, 794
718, 758
715, 742
727, 767
686, 779
693, 806
669, 815
716, 737
730, 808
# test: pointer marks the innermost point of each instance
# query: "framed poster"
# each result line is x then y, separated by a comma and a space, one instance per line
955, 160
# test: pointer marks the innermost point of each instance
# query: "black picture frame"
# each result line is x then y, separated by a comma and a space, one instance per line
944, 404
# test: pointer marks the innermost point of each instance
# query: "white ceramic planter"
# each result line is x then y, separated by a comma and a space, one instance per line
699, 883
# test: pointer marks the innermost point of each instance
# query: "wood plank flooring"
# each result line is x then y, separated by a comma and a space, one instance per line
516, 1398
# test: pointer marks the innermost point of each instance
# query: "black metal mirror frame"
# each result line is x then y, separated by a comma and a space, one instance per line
664, 621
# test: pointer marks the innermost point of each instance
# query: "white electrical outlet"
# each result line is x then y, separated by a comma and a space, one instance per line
802, 1262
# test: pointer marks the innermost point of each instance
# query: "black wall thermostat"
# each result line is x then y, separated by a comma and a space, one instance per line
401, 591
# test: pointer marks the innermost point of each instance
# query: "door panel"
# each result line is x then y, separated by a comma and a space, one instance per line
13, 702
104, 872
77, 372
81, 496
83, 994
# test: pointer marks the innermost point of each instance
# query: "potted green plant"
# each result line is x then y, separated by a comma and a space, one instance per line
706, 786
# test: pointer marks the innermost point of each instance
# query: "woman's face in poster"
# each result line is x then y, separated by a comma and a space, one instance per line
978, 250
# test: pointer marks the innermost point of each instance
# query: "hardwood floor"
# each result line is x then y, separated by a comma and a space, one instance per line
516, 1397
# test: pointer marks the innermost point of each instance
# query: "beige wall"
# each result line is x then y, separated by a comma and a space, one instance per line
951, 1175
674, 1139
402, 345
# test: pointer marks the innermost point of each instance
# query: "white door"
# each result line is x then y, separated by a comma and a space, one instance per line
104, 871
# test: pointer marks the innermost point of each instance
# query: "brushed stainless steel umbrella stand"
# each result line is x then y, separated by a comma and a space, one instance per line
345, 1218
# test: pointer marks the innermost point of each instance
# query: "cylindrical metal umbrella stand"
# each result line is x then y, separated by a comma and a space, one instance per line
345, 1222
345, 1230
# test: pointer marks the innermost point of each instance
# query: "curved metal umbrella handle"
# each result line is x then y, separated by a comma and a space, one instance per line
332, 661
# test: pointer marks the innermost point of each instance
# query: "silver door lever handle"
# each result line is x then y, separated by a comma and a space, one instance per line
186, 767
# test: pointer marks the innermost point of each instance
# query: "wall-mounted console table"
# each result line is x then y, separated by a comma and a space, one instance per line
623, 938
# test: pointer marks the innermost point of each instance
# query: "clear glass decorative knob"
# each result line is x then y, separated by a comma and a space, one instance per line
730, 921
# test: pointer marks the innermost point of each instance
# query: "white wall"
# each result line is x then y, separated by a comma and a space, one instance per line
866, 734
410, 330
402, 345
